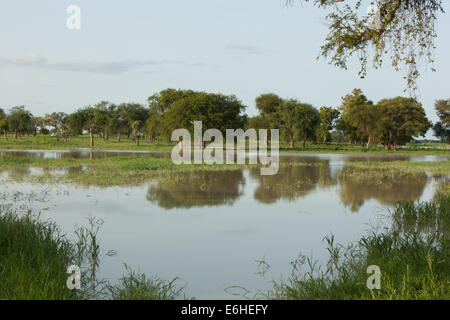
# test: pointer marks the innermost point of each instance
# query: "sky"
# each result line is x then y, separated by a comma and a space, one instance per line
126, 51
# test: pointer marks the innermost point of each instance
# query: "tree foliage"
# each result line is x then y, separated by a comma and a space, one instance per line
442, 128
328, 119
402, 30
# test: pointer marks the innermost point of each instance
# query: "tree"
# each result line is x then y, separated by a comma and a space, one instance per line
55, 120
357, 119
135, 116
216, 111
76, 121
164, 100
404, 27
154, 125
307, 122
328, 119
442, 128
3, 123
87, 118
268, 103
400, 119
20, 121
298, 121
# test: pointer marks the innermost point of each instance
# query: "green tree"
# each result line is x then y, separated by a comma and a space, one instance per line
154, 125
328, 119
20, 121
357, 119
55, 120
442, 128
308, 120
136, 115
164, 100
87, 118
268, 103
403, 30
298, 121
401, 119
3, 123
214, 110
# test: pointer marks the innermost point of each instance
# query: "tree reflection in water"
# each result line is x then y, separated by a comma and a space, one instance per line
386, 186
294, 180
197, 189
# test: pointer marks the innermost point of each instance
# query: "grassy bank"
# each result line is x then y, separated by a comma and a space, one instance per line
43, 142
413, 257
35, 255
436, 167
122, 170
134, 170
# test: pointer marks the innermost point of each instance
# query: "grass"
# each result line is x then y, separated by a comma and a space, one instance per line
45, 142
122, 170
34, 256
436, 167
413, 256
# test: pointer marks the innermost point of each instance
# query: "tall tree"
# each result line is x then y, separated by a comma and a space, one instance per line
3, 123
442, 128
55, 120
403, 30
214, 110
307, 122
401, 119
135, 116
268, 103
298, 121
164, 100
328, 119
20, 120
356, 120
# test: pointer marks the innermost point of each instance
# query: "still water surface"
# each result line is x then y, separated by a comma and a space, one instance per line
210, 227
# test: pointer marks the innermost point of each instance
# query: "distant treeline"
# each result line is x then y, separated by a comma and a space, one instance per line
391, 122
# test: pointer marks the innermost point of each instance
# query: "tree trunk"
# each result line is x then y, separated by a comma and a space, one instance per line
304, 144
368, 143
292, 142
91, 138
15, 135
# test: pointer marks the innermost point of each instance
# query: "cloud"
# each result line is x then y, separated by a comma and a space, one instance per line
246, 49
91, 66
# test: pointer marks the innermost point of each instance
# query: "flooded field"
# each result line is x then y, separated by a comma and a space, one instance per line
209, 228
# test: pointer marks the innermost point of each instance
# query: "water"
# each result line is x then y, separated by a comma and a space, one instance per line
210, 227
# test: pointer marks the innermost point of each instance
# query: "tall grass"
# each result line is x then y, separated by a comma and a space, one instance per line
413, 256
35, 255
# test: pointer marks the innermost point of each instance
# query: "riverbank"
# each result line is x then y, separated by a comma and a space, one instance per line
35, 256
41, 142
412, 257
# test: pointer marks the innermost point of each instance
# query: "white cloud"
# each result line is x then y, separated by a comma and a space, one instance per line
91, 66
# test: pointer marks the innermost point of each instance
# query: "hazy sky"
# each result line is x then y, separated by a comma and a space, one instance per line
128, 50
